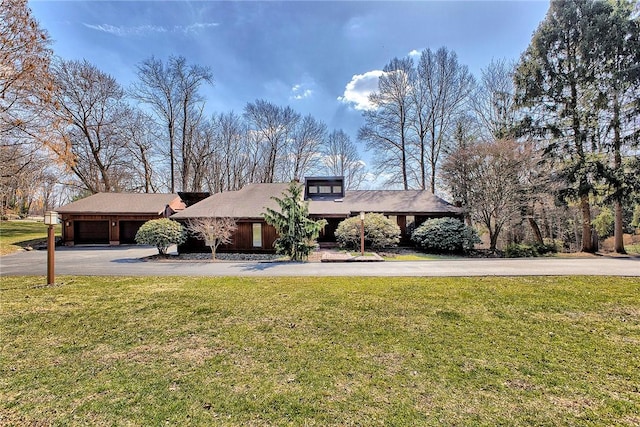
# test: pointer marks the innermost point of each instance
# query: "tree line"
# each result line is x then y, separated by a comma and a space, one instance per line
550, 142
529, 142
68, 122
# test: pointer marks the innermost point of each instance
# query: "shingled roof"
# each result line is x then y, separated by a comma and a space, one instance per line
250, 202
390, 202
123, 203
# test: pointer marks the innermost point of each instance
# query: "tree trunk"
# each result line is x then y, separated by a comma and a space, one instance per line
585, 208
172, 160
618, 228
536, 230
493, 240
423, 166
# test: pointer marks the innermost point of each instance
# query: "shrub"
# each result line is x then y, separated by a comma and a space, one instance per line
449, 235
520, 250
379, 232
523, 250
161, 233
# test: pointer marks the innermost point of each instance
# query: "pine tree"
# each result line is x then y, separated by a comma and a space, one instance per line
296, 231
555, 84
616, 45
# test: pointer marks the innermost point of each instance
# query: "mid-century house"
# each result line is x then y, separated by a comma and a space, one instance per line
327, 199
113, 218
246, 206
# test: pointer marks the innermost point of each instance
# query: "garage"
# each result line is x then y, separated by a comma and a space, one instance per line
128, 230
91, 232
113, 218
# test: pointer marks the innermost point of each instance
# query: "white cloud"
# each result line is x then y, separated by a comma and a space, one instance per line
357, 91
299, 91
194, 28
127, 31
414, 53
145, 30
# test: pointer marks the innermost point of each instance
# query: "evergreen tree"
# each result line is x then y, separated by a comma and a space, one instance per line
296, 231
616, 44
555, 85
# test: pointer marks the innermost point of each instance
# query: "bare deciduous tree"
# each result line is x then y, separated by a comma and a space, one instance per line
493, 100
214, 231
304, 148
25, 82
386, 126
91, 116
341, 159
493, 179
441, 89
270, 127
25, 90
172, 92
141, 133
230, 166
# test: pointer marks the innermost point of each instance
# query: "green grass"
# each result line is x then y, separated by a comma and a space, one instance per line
633, 249
15, 235
320, 351
417, 256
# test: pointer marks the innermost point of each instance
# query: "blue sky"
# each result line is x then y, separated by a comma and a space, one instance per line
320, 58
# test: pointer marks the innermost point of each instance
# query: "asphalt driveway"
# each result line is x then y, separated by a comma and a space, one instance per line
126, 261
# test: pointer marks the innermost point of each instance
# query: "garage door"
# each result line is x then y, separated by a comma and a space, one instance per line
128, 230
91, 232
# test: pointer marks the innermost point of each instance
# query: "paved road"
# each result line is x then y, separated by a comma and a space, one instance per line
125, 261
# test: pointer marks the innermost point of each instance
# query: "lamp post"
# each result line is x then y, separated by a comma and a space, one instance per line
362, 233
50, 219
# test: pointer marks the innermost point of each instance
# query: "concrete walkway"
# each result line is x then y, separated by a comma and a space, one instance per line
126, 261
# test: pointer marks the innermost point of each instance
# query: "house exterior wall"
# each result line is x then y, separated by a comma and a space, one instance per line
69, 227
242, 240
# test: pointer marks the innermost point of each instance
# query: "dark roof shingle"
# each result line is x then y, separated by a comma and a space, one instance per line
252, 200
123, 203
249, 202
391, 202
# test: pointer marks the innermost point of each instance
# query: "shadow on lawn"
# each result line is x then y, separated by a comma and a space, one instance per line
263, 266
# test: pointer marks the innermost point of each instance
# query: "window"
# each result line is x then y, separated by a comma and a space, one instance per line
337, 189
257, 235
325, 189
313, 190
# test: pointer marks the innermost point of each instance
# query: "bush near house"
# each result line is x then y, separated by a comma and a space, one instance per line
523, 250
448, 235
161, 233
379, 232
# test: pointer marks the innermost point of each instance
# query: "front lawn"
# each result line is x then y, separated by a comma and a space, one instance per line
14, 235
320, 351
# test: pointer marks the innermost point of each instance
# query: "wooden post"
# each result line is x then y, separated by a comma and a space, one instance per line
362, 233
51, 242
51, 219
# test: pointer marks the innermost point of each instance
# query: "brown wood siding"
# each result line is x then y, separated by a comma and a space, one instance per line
269, 236
123, 223
242, 240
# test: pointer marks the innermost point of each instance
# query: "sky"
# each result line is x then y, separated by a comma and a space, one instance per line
318, 57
